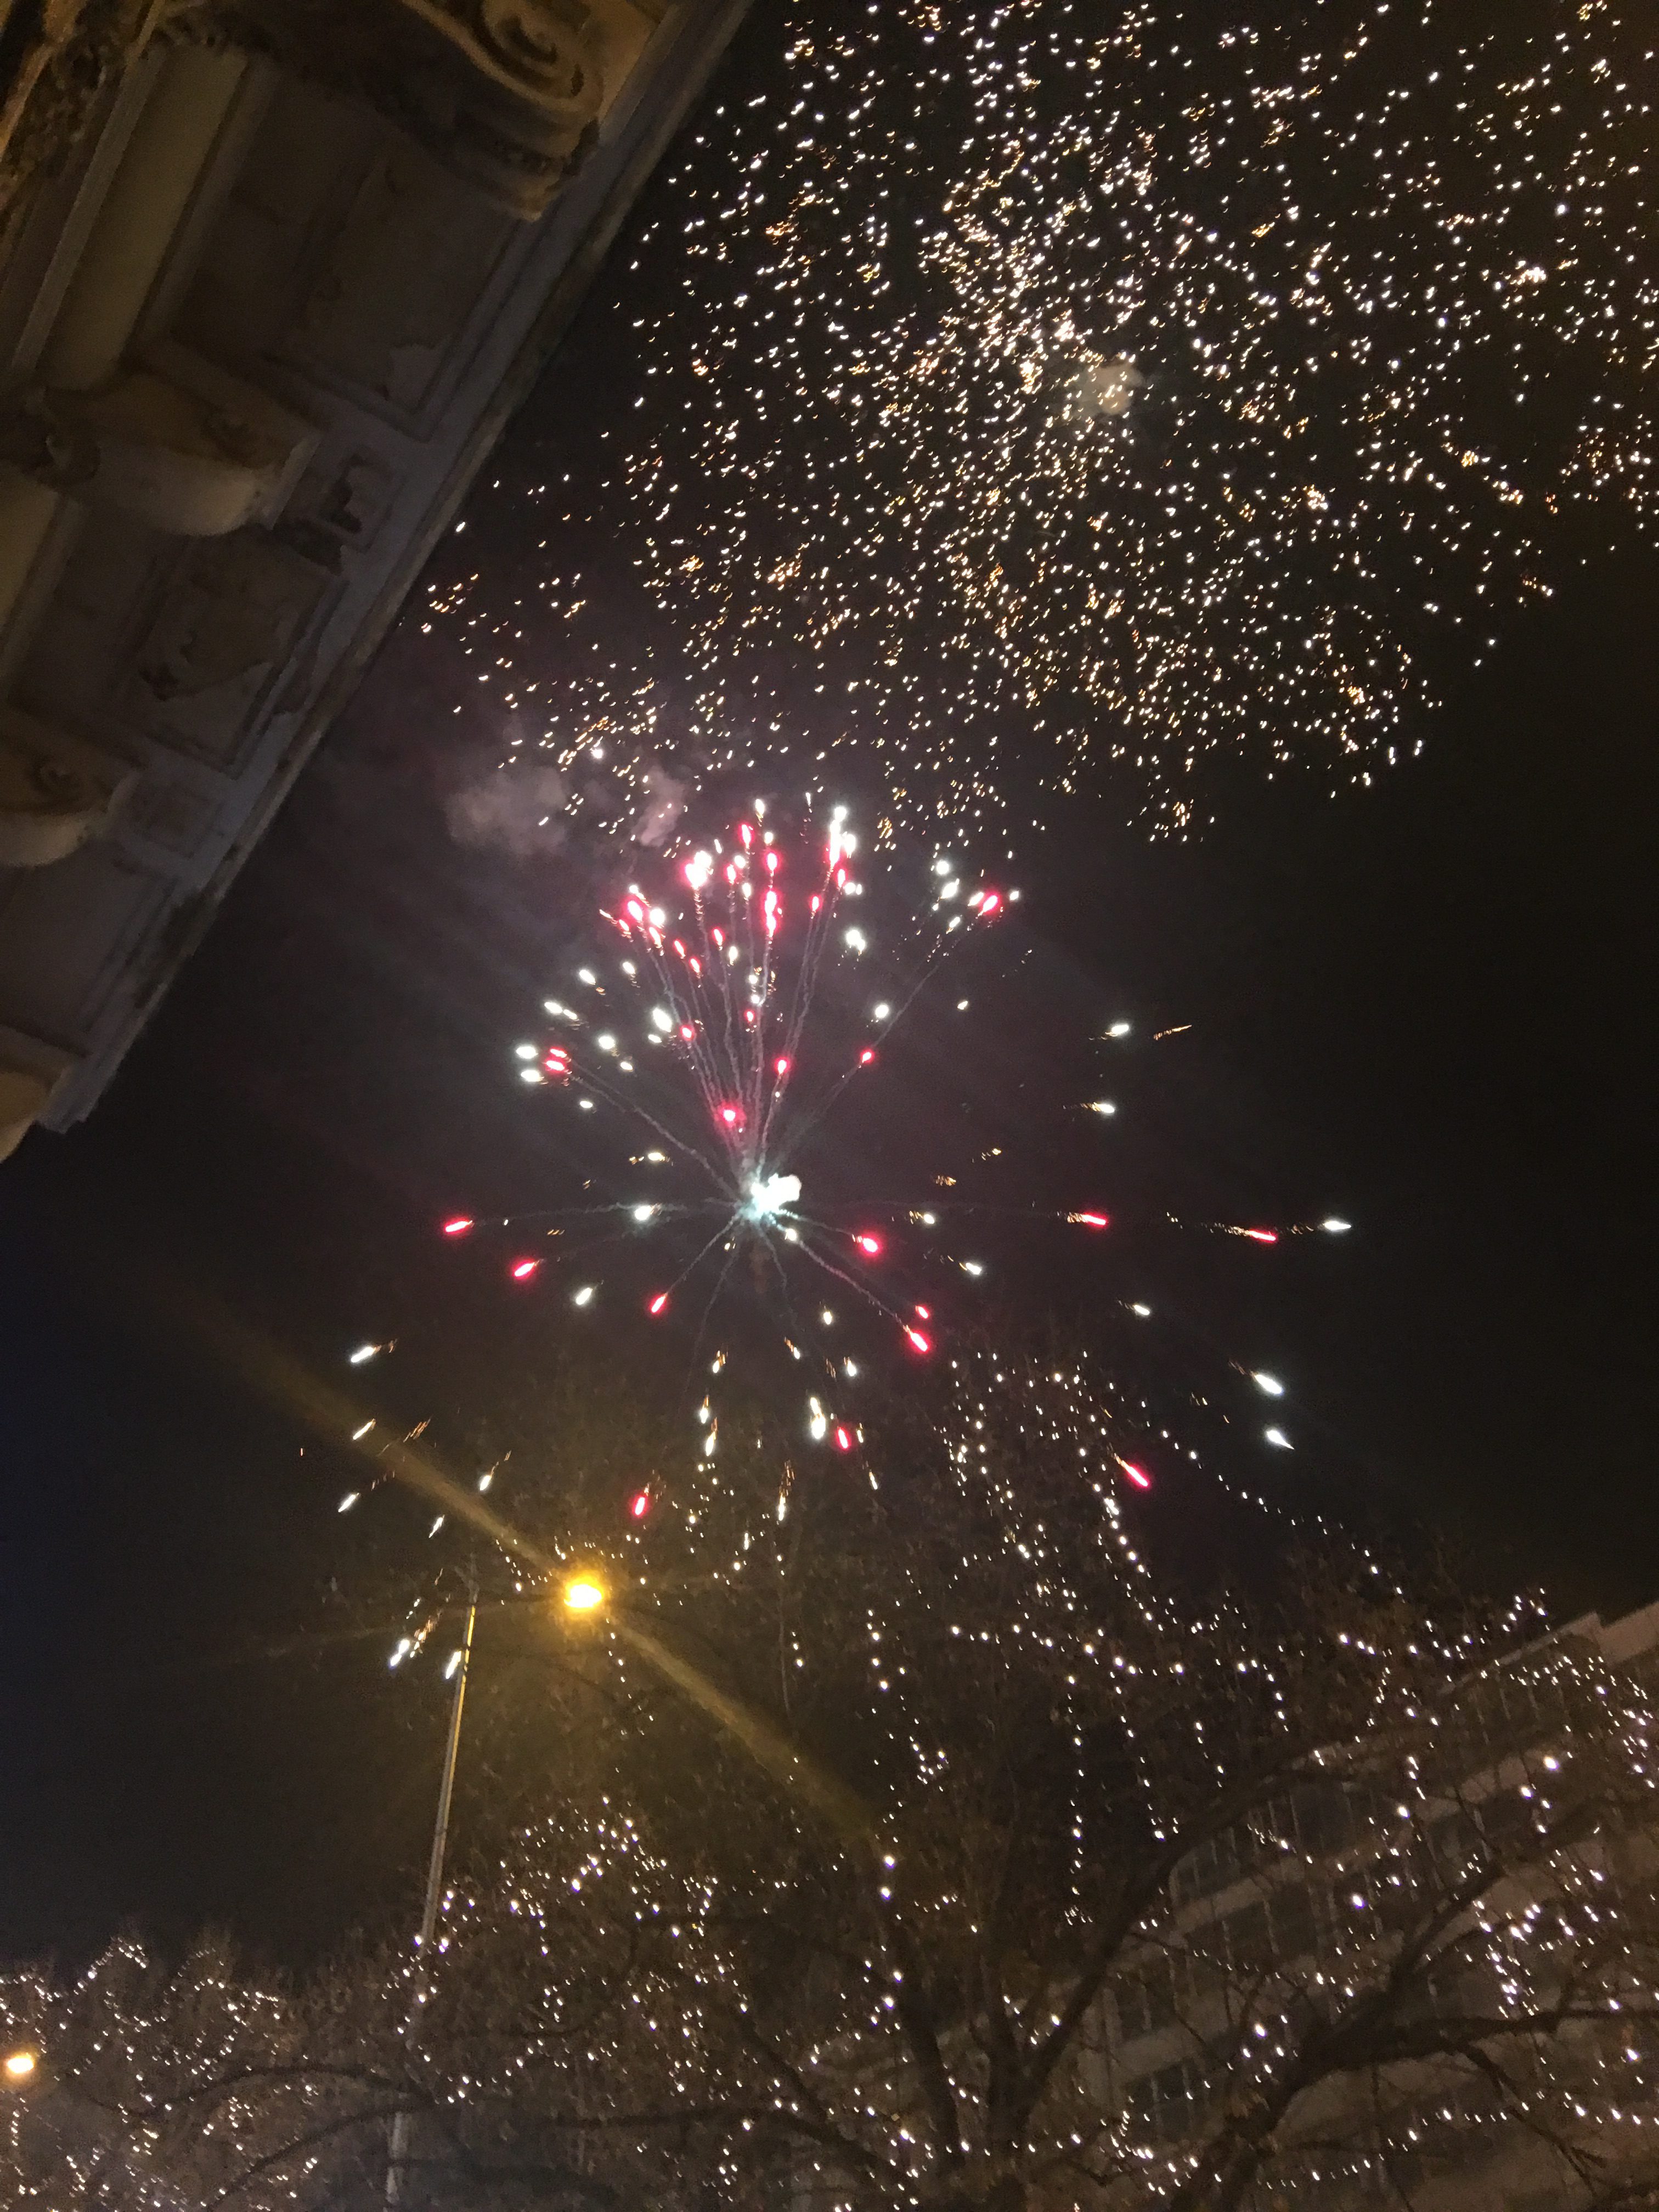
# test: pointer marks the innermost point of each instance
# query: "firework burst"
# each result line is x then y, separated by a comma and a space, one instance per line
753, 989
1167, 399
807, 1152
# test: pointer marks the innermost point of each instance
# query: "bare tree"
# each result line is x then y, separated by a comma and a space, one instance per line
909, 1842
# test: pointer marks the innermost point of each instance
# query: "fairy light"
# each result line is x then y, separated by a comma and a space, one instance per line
1192, 449
1276, 1952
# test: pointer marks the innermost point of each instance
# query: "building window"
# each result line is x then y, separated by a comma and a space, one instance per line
1294, 1922
1210, 1867
1322, 1820
1509, 1823
1248, 1949
1455, 1842
1169, 2103
1149, 1998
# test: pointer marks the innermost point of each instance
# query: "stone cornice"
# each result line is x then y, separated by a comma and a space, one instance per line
506, 94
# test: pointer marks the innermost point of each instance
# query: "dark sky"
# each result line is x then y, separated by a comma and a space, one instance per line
1427, 1006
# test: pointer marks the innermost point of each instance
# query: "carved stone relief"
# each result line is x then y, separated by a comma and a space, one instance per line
339, 507
57, 57
56, 791
504, 93
177, 443
400, 279
228, 621
175, 817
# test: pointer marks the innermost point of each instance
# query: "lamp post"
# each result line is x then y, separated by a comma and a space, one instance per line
582, 1594
585, 1596
399, 2145
435, 1871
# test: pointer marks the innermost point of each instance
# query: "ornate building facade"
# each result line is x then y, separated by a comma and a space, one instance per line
273, 275
1266, 1914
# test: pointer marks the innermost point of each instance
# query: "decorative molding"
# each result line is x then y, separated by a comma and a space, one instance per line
316, 261
56, 791
228, 623
378, 324
174, 441
56, 60
506, 94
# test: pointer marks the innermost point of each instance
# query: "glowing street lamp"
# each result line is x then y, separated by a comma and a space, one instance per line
19, 2066
582, 1593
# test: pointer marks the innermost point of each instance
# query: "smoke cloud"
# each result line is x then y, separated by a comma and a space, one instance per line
1103, 389
515, 810
666, 796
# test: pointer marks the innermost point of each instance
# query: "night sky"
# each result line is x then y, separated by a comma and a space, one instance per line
1426, 1005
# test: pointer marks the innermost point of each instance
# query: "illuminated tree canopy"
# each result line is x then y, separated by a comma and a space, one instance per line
923, 1843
